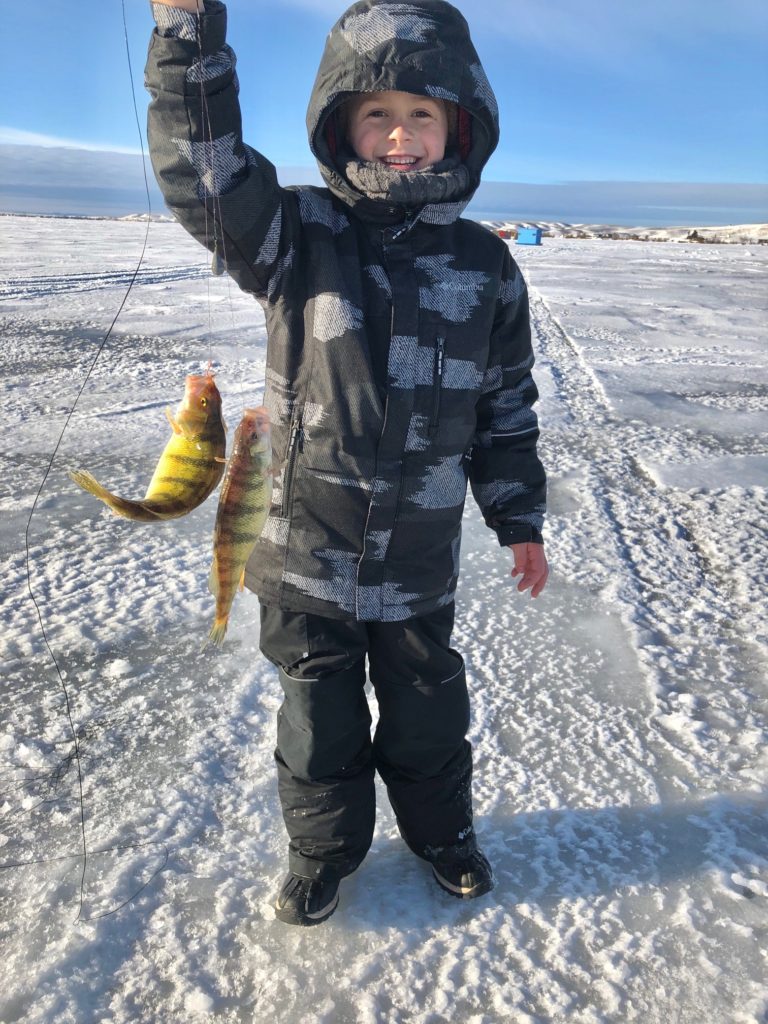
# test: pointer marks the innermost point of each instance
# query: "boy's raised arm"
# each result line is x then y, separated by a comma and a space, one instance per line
223, 192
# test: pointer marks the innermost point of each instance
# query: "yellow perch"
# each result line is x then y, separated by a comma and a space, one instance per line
190, 467
244, 503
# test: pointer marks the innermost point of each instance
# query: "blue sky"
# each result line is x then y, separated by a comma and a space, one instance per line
657, 90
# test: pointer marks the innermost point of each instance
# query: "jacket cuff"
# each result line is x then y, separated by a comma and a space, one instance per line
519, 533
173, 23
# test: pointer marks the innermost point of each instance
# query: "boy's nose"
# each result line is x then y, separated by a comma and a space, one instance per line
400, 131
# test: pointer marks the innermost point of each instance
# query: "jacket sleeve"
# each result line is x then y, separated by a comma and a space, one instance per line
223, 192
505, 473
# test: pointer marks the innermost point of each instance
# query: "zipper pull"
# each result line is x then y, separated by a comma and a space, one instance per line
440, 354
437, 386
405, 226
294, 433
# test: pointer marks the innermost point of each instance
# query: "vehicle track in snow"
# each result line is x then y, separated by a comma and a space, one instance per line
52, 284
685, 616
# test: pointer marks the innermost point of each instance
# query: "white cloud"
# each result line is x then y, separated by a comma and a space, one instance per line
18, 137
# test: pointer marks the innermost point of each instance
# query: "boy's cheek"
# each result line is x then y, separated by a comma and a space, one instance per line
360, 142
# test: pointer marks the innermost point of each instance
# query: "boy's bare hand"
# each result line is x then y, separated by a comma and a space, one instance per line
531, 564
193, 6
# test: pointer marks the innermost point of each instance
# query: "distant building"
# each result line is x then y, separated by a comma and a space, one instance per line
529, 236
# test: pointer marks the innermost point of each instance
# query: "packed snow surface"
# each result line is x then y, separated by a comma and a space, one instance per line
619, 721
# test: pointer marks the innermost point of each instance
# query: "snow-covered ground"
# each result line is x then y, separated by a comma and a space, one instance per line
619, 721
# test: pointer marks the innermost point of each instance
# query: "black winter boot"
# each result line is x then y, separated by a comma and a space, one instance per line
463, 873
306, 901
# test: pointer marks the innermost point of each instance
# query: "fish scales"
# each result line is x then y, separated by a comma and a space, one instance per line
190, 466
244, 503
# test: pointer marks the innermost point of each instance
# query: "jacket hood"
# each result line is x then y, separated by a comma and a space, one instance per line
423, 47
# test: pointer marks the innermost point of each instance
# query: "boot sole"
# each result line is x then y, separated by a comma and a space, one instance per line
292, 915
463, 892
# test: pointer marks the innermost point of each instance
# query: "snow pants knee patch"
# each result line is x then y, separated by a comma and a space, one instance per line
422, 723
324, 724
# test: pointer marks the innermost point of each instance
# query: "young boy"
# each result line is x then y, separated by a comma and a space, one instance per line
398, 368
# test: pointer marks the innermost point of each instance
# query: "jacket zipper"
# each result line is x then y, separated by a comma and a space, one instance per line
402, 228
437, 384
290, 463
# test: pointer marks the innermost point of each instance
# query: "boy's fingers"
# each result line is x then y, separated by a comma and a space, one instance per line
535, 583
540, 584
530, 579
530, 563
527, 581
520, 556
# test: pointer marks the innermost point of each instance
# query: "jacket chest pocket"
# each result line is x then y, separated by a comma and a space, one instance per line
438, 366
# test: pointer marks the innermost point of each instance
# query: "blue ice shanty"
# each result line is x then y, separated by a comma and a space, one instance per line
529, 236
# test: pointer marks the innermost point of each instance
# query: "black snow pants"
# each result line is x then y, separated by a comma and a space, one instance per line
325, 756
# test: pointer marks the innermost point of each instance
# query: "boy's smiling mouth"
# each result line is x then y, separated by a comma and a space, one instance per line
400, 160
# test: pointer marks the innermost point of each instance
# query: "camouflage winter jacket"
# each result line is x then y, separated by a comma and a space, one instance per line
371, 481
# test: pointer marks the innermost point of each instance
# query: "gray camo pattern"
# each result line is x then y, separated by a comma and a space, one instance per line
370, 484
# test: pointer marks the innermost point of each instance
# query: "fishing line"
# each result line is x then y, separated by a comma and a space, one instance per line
207, 194
215, 198
6, 865
99, 853
99, 350
199, 39
215, 209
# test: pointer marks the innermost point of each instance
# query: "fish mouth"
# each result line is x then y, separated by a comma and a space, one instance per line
200, 385
257, 419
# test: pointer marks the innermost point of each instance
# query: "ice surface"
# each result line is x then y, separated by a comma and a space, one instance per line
619, 722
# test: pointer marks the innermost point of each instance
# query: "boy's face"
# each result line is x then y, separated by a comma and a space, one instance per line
399, 129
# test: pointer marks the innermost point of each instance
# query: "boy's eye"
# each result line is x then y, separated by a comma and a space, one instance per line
383, 113
380, 112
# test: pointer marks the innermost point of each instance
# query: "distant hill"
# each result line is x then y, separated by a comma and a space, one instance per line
58, 180
623, 203
41, 179
739, 234
62, 180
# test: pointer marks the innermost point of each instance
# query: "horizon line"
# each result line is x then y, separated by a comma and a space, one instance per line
20, 139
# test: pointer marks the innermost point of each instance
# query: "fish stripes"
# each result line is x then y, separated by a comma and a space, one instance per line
244, 503
189, 468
